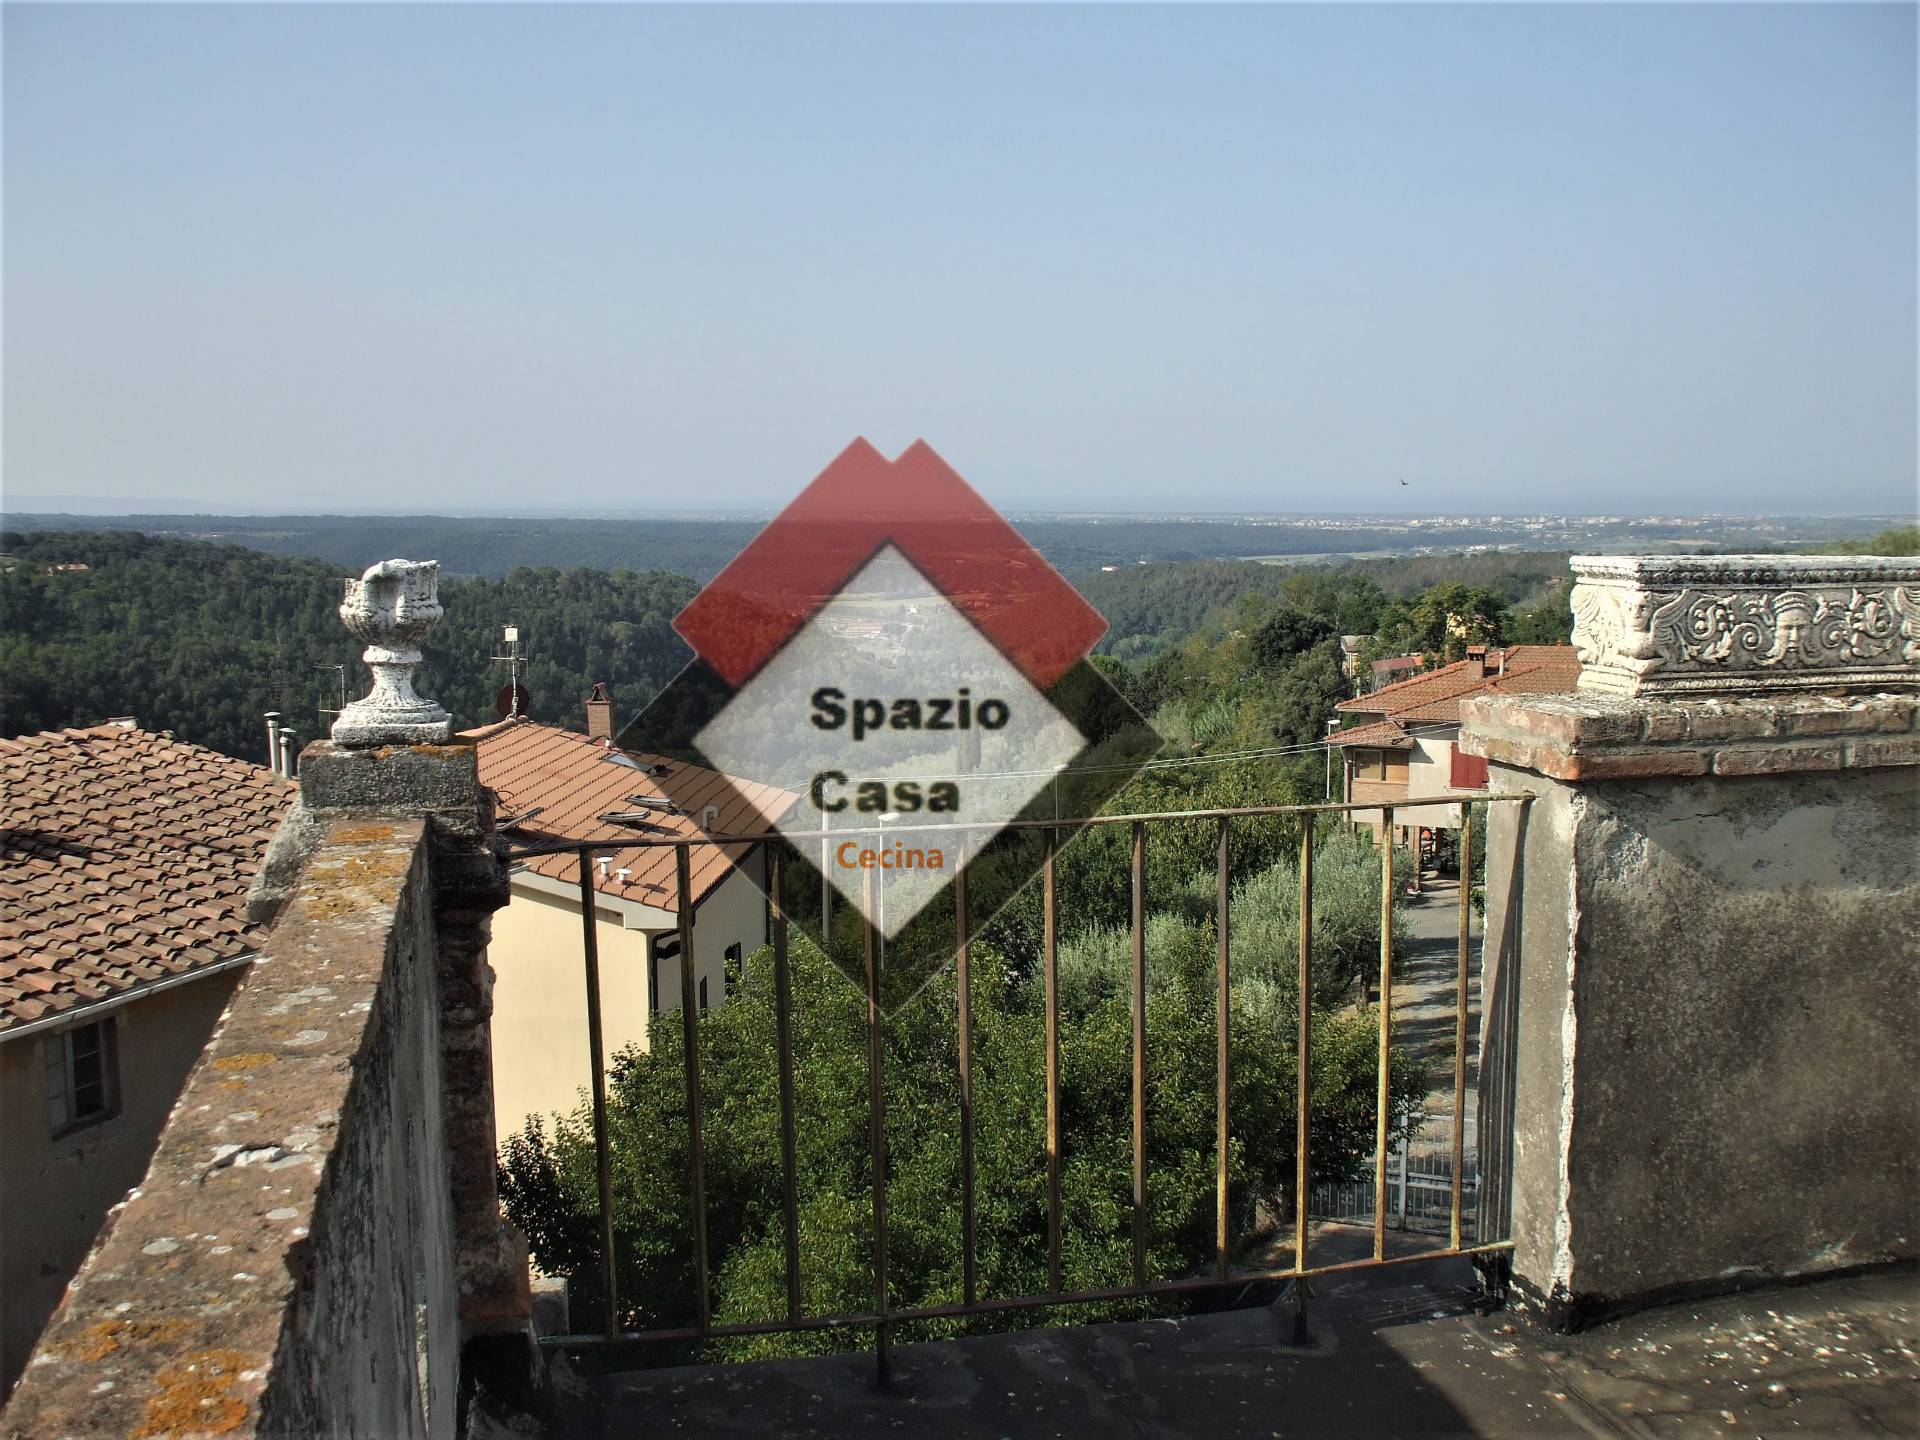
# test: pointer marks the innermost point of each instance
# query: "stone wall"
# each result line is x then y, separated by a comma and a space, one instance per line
441, 783
286, 1267
1702, 1024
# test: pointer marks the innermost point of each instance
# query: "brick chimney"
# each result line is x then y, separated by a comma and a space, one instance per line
600, 713
1477, 661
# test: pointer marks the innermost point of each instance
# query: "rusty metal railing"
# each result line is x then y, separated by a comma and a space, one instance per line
884, 1315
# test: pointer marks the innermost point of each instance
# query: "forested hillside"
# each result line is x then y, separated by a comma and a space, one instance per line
201, 639
1900, 540
1152, 608
464, 546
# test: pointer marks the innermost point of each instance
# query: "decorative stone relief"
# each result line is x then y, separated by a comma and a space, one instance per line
1741, 624
393, 607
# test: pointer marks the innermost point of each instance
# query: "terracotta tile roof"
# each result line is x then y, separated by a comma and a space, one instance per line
1435, 698
1381, 735
125, 858
1393, 664
573, 782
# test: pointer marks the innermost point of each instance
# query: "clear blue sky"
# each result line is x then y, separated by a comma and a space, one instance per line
1629, 257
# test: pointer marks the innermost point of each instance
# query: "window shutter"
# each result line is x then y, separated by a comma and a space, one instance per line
1469, 771
59, 1110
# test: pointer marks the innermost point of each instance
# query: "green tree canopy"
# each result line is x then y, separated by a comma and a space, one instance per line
1287, 633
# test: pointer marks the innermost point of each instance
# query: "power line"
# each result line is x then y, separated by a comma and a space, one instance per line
1169, 762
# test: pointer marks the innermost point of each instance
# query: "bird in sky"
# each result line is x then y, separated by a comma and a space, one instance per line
1403, 483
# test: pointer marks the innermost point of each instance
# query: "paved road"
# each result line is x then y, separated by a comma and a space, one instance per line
1424, 1004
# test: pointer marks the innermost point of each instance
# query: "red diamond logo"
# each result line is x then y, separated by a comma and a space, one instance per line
920, 505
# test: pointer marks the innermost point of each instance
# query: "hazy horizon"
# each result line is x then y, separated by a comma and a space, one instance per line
111, 507
1630, 260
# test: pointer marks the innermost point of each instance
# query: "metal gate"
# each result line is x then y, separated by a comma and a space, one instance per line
1419, 1194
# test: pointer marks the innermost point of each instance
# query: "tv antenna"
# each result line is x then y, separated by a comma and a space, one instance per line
322, 665
513, 699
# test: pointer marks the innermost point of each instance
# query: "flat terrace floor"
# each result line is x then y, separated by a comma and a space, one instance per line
1391, 1353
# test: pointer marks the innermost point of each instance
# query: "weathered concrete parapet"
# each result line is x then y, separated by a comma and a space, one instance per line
1744, 624
1612, 737
1701, 1017
439, 782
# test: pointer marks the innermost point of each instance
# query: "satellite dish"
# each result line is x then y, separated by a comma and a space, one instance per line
512, 700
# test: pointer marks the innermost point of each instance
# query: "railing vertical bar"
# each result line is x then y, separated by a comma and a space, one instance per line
826, 885
596, 1058
1386, 1034
1460, 1014
1303, 1084
1050, 918
783, 1015
964, 996
690, 1052
877, 1127
1139, 877
1222, 1239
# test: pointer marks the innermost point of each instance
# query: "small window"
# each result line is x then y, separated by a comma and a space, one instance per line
735, 968
664, 946
83, 1082
703, 994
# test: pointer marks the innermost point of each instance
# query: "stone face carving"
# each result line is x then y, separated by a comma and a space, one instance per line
1740, 624
393, 607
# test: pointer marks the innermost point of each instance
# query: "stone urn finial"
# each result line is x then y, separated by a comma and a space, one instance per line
393, 607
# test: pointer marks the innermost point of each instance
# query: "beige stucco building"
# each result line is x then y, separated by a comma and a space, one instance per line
1406, 744
122, 936
554, 784
540, 1047
64, 1171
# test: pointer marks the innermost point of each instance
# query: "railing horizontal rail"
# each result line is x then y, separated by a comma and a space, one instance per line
1184, 1286
1237, 812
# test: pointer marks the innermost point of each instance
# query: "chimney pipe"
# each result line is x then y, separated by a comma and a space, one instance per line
291, 753
600, 713
273, 739
1477, 660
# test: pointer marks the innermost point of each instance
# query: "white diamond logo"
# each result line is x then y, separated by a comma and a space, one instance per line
903, 730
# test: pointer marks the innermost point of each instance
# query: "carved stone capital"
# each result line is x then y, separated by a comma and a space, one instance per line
1746, 624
